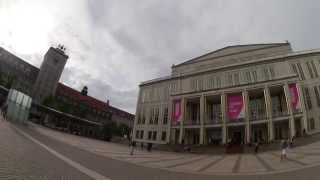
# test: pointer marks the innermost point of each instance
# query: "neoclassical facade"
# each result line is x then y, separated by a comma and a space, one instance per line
240, 94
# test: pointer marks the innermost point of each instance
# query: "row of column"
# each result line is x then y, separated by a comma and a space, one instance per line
268, 102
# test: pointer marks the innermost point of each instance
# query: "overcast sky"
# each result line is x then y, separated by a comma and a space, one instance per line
114, 45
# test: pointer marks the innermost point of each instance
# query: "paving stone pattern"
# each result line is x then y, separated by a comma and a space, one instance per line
22, 159
241, 164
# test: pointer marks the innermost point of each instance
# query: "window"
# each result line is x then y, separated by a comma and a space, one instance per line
248, 77
273, 75
154, 135
149, 135
143, 118
151, 116
218, 82
156, 116
266, 73
200, 84
165, 115
193, 84
310, 70
255, 76
163, 136
211, 83
141, 134
307, 98
137, 134
236, 79
294, 68
301, 71
229, 79
316, 92
314, 69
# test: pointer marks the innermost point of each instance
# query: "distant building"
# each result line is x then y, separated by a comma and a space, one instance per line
44, 83
237, 94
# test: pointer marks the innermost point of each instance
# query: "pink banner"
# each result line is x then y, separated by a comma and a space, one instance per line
294, 94
235, 108
177, 114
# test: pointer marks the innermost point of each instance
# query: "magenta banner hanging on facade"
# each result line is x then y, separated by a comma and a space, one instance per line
235, 108
177, 114
294, 97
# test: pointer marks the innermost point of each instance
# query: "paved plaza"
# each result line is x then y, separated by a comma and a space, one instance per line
22, 158
244, 164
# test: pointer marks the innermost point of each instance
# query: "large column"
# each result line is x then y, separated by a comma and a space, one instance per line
183, 111
267, 99
246, 117
304, 122
224, 119
291, 118
169, 121
202, 115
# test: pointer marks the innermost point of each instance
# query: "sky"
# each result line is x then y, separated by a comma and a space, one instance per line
114, 45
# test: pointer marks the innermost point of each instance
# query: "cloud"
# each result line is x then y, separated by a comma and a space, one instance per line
114, 45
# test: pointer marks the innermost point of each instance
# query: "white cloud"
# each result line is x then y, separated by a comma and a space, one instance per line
114, 45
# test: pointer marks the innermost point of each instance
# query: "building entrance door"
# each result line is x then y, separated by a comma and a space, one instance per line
237, 137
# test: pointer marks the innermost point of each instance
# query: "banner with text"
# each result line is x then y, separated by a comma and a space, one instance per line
177, 114
294, 94
235, 108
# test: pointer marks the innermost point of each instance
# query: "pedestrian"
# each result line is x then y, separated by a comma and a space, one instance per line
132, 148
149, 147
284, 146
256, 147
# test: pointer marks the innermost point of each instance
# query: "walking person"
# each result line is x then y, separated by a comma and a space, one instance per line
132, 148
256, 147
284, 146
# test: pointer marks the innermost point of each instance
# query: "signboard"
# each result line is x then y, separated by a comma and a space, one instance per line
294, 94
235, 108
177, 111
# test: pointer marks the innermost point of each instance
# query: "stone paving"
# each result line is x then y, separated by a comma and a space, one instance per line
237, 164
21, 159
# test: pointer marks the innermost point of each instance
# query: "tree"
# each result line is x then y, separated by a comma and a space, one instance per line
109, 130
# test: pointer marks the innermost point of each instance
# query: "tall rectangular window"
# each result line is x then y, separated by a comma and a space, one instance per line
266, 73
248, 76
236, 79
316, 92
301, 71
218, 82
154, 135
149, 135
137, 134
164, 135
314, 69
156, 115
307, 98
141, 134
310, 70
165, 115
255, 76
229, 79
273, 75
151, 116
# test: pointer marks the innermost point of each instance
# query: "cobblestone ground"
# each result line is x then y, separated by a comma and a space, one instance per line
22, 159
244, 164
113, 160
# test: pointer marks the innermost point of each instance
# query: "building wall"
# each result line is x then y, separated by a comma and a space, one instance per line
229, 76
23, 73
